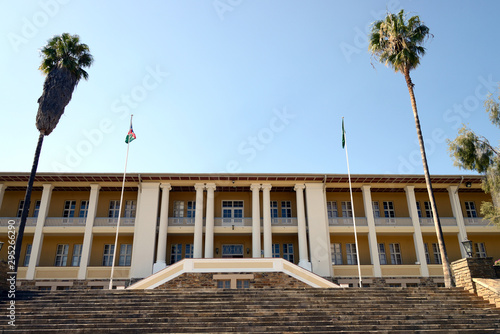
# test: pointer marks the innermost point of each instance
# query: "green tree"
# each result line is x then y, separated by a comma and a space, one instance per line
474, 152
397, 42
64, 60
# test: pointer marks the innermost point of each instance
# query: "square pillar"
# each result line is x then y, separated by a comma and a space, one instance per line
417, 231
36, 248
89, 224
372, 232
161, 252
145, 230
319, 233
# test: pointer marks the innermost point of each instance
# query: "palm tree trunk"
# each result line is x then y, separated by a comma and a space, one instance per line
448, 277
27, 201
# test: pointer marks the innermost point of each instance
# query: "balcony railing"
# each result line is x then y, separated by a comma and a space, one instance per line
70, 221
284, 221
30, 221
475, 221
360, 221
445, 221
396, 221
233, 222
182, 221
125, 221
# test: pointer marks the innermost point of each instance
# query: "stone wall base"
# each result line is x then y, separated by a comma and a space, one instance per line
380, 282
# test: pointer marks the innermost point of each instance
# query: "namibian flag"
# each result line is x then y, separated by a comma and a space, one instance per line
130, 135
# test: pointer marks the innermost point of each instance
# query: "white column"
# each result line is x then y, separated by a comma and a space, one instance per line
161, 251
417, 231
209, 228
256, 247
198, 222
89, 224
372, 231
268, 238
143, 247
301, 226
2, 193
457, 213
319, 231
36, 248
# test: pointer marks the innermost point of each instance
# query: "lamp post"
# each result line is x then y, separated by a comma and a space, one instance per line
468, 247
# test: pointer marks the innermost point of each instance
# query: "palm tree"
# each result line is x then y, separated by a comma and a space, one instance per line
64, 60
397, 42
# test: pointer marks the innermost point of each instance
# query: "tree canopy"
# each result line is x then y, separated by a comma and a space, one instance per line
474, 152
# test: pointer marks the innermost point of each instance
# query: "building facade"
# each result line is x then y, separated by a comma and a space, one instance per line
307, 219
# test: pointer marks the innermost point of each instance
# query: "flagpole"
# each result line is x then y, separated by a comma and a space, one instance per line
119, 214
344, 143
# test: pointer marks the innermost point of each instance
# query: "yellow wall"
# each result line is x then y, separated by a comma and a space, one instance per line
58, 199
451, 243
106, 196
477, 198
49, 249
11, 200
364, 249
406, 244
98, 243
397, 198
178, 239
359, 209
442, 201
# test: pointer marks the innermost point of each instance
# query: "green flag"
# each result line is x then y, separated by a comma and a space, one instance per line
343, 133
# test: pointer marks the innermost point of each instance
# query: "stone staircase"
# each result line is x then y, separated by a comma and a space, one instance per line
350, 310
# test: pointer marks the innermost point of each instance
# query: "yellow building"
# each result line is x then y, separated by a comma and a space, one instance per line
306, 219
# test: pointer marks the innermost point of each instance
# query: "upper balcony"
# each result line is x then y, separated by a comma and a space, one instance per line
218, 221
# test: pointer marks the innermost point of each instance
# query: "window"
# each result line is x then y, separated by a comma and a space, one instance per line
125, 255
189, 251
175, 253
191, 209
20, 208
480, 249
286, 209
61, 255
28, 255
436, 253
77, 255
389, 210
376, 209
232, 209
332, 209
69, 209
427, 256
381, 254
288, 252
428, 209
84, 209
346, 209
223, 284
351, 254
232, 251
395, 254
130, 209
419, 210
276, 250
107, 259
243, 284
114, 209
178, 209
274, 209
37, 208
470, 208
336, 250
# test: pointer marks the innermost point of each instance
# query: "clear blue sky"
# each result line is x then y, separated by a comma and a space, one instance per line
251, 86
